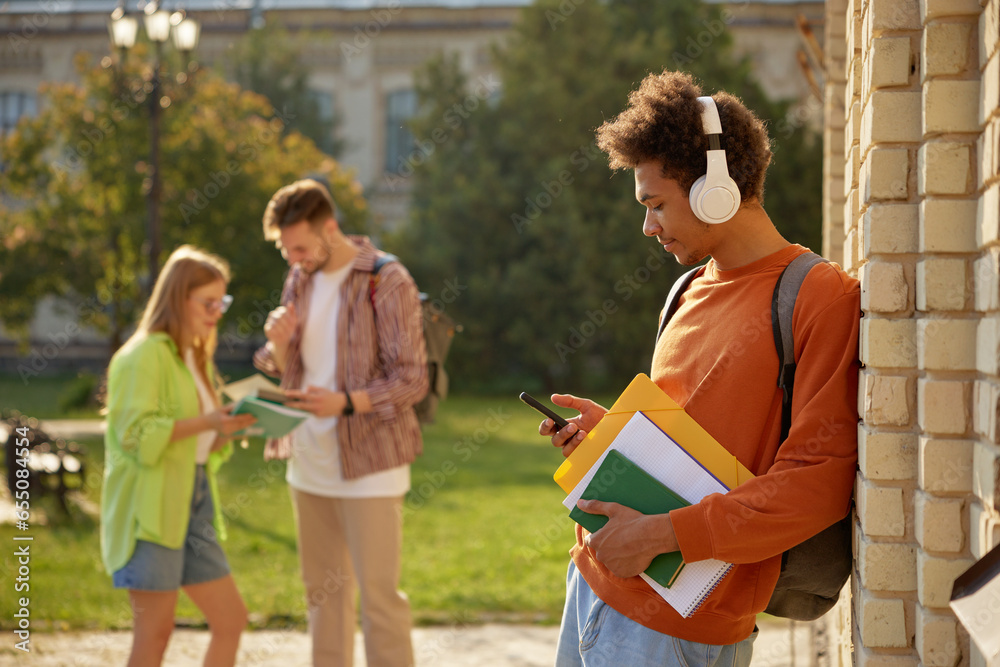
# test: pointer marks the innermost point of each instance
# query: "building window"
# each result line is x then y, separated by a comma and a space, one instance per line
326, 115
400, 107
12, 107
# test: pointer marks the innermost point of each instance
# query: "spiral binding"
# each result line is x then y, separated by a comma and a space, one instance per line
705, 593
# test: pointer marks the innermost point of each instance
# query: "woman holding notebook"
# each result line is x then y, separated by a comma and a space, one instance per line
167, 434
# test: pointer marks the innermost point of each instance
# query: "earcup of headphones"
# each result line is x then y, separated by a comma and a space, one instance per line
714, 202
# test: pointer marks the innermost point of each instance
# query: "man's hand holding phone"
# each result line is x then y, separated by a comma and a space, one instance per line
576, 429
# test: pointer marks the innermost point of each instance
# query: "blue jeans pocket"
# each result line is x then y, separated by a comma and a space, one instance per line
595, 620
693, 654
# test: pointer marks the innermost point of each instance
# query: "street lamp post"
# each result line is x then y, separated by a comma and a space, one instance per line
159, 23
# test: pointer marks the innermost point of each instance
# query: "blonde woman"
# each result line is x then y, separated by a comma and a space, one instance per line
166, 436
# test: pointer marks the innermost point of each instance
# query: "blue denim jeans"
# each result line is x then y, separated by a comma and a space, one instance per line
595, 635
153, 567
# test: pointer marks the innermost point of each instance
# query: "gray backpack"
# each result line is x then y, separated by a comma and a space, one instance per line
439, 329
812, 572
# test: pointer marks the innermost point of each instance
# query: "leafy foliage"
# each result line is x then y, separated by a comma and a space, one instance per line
268, 61
513, 201
74, 214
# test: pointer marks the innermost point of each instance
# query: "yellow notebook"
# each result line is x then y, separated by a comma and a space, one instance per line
642, 395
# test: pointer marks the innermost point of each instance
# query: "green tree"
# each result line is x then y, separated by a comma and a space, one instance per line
513, 201
268, 61
73, 212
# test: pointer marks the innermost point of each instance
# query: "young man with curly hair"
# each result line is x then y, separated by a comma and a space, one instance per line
717, 359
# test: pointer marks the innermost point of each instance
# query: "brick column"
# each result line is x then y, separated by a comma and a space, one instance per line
921, 229
887, 102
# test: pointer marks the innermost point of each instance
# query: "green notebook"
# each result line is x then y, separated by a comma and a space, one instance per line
273, 419
618, 480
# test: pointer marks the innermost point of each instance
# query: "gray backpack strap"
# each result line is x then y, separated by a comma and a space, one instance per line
383, 259
813, 571
782, 308
674, 297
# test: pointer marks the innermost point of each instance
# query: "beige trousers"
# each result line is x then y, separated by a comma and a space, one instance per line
347, 544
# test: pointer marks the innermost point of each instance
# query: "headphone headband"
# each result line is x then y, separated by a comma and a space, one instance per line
714, 197
710, 116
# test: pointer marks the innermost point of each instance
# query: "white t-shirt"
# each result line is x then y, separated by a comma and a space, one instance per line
315, 463
205, 438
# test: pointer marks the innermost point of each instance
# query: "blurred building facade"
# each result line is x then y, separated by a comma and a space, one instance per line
362, 56
911, 203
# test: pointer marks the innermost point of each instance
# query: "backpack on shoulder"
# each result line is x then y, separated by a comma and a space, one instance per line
814, 571
439, 329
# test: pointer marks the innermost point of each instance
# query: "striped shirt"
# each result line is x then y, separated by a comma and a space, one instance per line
380, 350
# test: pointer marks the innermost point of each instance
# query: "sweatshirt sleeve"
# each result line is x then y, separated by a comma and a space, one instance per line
809, 486
403, 354
138, 410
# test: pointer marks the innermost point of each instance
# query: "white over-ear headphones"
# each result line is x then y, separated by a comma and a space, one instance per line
714, 197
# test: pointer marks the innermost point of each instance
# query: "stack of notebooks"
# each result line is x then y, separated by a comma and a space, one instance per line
648, 454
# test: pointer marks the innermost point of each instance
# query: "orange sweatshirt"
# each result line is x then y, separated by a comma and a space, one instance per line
717, 359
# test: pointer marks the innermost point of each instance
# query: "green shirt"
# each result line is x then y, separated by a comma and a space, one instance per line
148, 480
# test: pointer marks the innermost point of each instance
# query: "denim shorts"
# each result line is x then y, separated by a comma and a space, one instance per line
154, 567
594, 634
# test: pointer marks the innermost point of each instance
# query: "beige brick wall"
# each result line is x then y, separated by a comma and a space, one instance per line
914, 212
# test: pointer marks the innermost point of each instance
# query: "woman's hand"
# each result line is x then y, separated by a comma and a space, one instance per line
226, 424
572, 435
219, 443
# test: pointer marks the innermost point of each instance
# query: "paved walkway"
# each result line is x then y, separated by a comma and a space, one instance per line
491, 645
72, 429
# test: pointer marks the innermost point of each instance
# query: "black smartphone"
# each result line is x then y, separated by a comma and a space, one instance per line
530, 400
273, 396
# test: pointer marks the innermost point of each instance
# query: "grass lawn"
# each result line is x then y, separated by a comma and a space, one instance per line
41, 396
486, 535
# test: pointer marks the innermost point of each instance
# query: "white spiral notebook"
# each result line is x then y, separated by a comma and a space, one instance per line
646, 445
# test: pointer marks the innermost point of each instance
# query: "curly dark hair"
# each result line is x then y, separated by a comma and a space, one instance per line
663, 122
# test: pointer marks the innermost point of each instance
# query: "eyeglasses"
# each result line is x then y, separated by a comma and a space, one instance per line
216, 305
